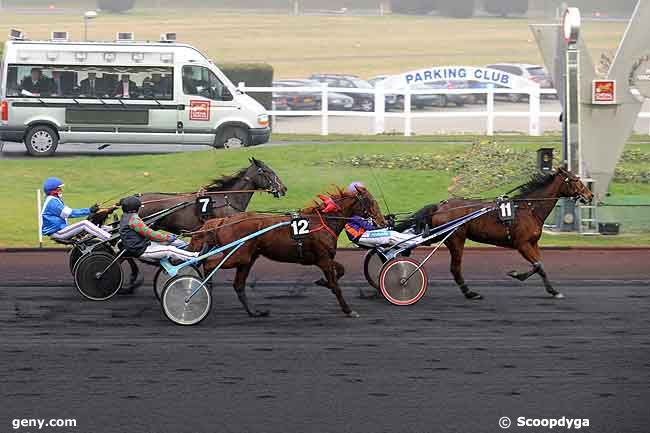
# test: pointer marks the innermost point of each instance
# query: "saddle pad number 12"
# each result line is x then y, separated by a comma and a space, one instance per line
204, 205
506, 211
299, 228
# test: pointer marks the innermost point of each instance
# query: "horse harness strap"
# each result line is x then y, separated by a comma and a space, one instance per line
324, 226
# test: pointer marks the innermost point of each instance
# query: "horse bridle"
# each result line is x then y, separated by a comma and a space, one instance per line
272, 180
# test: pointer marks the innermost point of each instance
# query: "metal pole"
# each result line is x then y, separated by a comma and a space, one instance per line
324, 106
380, 108
407, 112
85, 29
490, 109
40, 219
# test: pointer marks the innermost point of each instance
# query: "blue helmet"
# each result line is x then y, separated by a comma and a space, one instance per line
51, 183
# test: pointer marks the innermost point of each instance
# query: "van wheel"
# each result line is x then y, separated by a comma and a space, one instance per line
233, 137
41, 140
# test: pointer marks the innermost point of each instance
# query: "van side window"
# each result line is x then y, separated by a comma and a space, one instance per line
199, 80
104, 82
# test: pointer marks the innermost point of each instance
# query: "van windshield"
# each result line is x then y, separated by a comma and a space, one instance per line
105, 82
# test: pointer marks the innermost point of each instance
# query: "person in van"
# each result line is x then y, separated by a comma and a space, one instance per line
92, 86
189, 88
35, 84
61, 84
126, 88
55, 214
139, 240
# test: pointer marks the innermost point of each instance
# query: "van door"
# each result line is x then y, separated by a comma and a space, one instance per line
206, 101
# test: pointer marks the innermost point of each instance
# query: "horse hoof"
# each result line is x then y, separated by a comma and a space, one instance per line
263, 313
321, 282
473, 296
557, 295
513, 274
353, 314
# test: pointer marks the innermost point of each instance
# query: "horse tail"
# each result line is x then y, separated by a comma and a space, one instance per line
418, 219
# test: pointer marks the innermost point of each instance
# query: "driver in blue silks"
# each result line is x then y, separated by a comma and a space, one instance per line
365, 233
55, 214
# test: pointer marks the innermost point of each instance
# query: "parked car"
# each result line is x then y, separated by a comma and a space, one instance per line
534, 73
308, 100
295, 100
445, 99
393, 101
362, 101
418, 101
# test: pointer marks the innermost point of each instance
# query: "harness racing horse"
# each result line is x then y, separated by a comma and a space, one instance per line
533, 204
317, 248
256, 177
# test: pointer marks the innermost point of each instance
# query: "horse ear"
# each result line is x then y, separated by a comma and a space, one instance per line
255, 161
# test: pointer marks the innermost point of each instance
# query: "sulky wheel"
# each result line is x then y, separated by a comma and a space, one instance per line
96, 278
161, 278
77, 252
372, 265
401, 282
178, 303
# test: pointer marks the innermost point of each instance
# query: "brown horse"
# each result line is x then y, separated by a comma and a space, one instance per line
256, 177
533, 204
318, 248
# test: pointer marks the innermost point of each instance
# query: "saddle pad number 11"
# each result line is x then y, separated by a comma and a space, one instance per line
299, 228
506, 211
204, 205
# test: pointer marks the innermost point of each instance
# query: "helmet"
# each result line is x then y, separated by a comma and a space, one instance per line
353, 186
52, 183
130, 204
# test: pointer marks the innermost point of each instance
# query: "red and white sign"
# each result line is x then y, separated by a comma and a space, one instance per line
604, 92
200, 110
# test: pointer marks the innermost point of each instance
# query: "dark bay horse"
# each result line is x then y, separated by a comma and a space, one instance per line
318, 248
258, 176
533, 204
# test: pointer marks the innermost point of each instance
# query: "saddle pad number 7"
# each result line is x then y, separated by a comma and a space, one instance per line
299, 228
204, 205
506, 211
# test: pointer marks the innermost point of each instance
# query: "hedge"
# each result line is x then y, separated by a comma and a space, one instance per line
253, 74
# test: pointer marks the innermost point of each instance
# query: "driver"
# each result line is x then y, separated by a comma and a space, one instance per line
55, 215
363, 232
139, 240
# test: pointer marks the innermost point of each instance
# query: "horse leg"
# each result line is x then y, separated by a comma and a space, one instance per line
329, 271
531, 253
456, 246
340, 271
240, 288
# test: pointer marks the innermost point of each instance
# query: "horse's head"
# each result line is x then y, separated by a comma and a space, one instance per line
573, 187
263, 177
362, 203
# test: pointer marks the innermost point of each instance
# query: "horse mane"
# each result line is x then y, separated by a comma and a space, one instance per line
536, 182
337, 195
226, 182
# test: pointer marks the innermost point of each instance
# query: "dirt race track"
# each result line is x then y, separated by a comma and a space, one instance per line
443, 365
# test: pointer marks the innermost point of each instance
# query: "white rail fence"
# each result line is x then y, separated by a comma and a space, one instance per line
534, 114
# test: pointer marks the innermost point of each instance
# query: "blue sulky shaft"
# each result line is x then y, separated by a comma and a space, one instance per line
173, 270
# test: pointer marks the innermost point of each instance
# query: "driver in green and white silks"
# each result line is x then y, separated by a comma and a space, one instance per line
363, 232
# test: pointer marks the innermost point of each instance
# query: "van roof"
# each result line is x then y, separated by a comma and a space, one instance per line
181, 51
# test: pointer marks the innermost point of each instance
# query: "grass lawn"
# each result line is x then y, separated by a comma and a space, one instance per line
299, 46
302, 167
